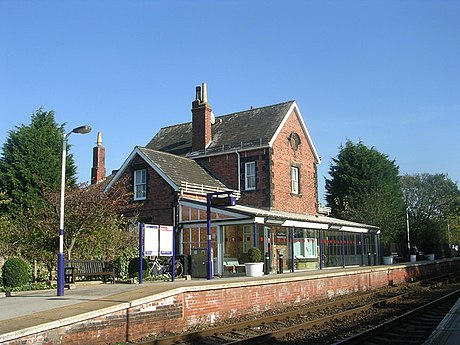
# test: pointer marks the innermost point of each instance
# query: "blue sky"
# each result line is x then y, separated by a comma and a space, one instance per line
383, 72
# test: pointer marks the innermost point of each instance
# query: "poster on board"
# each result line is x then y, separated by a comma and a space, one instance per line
166, 240
151, 245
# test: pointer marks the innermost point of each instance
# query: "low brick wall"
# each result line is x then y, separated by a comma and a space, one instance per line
181, 308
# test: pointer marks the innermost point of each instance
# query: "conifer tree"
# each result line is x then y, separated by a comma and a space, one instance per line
365, 187
30, 163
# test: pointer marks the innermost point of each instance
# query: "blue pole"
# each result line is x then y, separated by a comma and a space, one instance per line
292, 249
141, 226
255, 235
362, 250
343, 249
208, 231
173, 261
321, 249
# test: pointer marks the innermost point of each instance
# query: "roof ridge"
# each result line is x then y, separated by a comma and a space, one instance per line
236, 112
164, 153
258, 108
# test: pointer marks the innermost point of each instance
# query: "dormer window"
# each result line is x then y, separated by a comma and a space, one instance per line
250, 176
140, 184
294, 180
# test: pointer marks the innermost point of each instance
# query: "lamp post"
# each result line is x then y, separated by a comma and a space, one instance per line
61, 273
408, 232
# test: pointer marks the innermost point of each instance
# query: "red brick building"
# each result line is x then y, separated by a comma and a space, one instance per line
267, 158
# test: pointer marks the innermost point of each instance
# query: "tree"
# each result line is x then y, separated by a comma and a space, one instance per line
94, 226
364, 187
31, 163
433, 202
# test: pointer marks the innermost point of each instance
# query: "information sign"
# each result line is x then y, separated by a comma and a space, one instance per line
166, 240
151, 246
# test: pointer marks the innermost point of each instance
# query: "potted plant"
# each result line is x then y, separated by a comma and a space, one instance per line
429, 250
254, 266
387, 256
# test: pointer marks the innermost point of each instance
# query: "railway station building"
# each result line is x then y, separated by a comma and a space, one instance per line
266, 158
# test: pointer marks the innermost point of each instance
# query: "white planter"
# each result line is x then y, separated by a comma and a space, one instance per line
413, 258
254, 269
430, 257
388, 260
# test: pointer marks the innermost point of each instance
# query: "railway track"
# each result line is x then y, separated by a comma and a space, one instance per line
326, 322
413, 327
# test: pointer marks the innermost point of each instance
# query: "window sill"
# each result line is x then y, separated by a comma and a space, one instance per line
299, 195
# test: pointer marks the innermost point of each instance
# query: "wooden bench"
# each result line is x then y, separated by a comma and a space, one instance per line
88, 268
233, 265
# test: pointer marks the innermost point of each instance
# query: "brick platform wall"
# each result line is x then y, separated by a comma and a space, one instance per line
183, 308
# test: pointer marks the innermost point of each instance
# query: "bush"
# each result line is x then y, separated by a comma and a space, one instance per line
15, 273
254, 255
133, 267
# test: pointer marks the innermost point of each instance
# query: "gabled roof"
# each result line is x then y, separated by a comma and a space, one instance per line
286, 219
172, 168
257, 126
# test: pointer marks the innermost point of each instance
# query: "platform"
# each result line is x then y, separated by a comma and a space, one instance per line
102, 313
448, 331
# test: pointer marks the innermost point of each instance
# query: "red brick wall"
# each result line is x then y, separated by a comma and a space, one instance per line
157, 208
283, 157
225, 168
181, 310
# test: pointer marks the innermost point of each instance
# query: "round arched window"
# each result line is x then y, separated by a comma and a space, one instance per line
294, 140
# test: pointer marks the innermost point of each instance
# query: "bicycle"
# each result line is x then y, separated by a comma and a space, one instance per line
329, 261
157, 268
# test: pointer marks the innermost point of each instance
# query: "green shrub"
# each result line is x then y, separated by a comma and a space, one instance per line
15, 273
133, 267
121, 262
254, 255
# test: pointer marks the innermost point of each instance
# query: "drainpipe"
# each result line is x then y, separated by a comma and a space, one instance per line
239, 170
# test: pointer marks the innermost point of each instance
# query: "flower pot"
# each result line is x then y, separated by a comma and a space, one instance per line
388, 260
413, 258
254, 269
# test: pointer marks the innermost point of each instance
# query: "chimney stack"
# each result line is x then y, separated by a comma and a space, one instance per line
201, 119
98, 169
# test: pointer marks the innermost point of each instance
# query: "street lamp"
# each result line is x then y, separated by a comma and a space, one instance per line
61, 273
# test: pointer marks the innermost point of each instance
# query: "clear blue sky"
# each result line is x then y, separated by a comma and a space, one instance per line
384, 72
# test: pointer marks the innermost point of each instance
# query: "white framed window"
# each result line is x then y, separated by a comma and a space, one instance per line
294, 180
305, 244
250, 176
140, 184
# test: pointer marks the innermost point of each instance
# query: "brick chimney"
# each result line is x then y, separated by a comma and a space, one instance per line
98, 169
201, 119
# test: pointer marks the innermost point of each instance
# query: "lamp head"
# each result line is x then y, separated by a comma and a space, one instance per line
82, 129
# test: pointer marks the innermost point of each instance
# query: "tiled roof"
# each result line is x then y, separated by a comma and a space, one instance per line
256, 125
179, 169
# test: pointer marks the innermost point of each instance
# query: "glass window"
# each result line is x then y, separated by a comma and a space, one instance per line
305, 243
140, 184
294, 180
248, 237
250, 176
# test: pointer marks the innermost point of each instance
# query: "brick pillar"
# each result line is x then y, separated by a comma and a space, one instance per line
201, 120
98, 169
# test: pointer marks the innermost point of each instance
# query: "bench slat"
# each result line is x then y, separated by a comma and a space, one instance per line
80, 268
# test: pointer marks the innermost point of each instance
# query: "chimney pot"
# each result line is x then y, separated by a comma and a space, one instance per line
198, 94
204, 94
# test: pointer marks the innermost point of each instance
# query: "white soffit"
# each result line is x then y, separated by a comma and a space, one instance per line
307, 225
